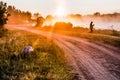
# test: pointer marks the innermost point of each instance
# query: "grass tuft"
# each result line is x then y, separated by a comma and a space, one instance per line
47, 62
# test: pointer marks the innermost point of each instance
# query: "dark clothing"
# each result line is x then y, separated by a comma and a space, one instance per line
91, 27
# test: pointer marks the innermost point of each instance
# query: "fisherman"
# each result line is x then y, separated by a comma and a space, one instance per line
91, 27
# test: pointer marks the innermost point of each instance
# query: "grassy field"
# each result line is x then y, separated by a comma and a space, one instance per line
111, 37
104, 38
47, 62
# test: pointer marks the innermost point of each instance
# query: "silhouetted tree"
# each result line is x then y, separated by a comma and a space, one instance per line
40, 21
36, 15
3, 14
97, 14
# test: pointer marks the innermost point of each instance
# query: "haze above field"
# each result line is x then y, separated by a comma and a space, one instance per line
46, 7
108, 16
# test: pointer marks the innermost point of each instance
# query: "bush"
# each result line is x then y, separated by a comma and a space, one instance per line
63, 26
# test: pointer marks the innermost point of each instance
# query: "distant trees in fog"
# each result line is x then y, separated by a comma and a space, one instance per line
18, 16
97, 16
74, 16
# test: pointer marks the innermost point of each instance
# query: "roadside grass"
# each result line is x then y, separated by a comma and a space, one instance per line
102, 37
111, 37
47, 62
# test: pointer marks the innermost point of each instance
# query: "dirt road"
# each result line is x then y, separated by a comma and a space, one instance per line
90, 60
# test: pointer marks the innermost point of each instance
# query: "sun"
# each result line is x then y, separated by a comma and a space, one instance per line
60, 12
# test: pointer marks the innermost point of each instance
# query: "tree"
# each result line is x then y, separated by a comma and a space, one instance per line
36, 15
3, 14
97, 14
40, 21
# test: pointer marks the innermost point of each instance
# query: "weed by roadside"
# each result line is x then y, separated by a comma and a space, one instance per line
47, 62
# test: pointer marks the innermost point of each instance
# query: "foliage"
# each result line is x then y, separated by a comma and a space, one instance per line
40, 21
63, 26
96, 14
3, 14
47, 62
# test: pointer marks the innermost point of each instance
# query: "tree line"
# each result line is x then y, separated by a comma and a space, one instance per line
16, 16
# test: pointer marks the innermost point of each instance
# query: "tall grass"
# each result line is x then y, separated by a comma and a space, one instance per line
107, 36
47, 62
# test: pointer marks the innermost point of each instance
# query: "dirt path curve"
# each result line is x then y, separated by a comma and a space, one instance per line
91, 61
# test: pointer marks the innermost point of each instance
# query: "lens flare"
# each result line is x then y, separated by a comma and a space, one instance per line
60, 12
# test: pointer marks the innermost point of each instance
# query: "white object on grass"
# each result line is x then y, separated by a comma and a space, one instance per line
27, 49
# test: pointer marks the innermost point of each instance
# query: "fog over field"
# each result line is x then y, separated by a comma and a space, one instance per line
104, 21
101, 21
99, 24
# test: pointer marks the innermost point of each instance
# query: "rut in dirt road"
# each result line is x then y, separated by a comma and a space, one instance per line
92, 61
91, 70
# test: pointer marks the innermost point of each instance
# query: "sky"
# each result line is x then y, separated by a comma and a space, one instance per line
46, 7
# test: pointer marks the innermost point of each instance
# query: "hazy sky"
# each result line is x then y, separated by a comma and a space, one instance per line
46, 7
